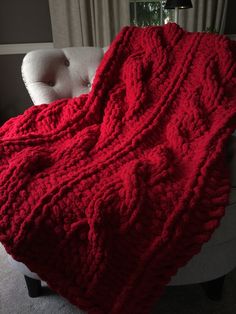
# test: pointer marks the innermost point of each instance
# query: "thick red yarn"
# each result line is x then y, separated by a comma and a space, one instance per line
106, 195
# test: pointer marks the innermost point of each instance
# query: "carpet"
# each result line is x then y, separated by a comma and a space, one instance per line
176, 300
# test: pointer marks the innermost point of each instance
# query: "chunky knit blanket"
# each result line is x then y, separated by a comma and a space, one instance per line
106, 195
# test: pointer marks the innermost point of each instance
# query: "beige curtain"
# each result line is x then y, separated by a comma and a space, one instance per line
205, 15
87, 22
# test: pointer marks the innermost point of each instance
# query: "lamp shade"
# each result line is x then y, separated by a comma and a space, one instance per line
181, 4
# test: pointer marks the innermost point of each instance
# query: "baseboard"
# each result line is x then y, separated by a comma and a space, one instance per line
10, 49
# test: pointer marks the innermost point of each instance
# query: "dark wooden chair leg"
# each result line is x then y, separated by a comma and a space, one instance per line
34, 287
214, 288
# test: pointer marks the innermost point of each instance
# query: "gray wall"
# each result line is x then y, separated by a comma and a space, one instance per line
21, 21
24, 21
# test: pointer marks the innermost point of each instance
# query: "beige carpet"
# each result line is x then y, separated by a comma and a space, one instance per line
176, 300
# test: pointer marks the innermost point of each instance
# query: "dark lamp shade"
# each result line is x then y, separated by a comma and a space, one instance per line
181, 4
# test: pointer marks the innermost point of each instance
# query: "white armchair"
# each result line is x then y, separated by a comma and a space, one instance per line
58, 73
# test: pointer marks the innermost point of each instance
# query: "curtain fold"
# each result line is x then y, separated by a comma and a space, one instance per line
87, 22
205, 15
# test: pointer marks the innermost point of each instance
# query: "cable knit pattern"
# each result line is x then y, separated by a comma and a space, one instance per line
106, 195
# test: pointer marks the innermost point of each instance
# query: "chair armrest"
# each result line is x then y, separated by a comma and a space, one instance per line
231, 154
230, 149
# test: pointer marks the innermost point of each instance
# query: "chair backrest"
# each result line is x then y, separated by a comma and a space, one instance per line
51, 74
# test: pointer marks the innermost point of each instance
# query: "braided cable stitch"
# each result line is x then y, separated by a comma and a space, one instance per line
106, 195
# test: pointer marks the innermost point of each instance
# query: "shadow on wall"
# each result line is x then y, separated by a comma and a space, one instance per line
230, 25
14, 98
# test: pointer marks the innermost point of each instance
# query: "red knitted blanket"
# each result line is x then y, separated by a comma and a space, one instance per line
106, 195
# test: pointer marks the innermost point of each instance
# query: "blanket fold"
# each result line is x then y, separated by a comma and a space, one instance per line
106, 195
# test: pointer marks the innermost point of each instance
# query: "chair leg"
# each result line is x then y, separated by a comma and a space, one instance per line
34, 287
214, 288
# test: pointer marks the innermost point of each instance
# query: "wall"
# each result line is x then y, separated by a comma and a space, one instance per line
24, 21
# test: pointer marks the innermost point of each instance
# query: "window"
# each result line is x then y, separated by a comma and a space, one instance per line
149, 13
